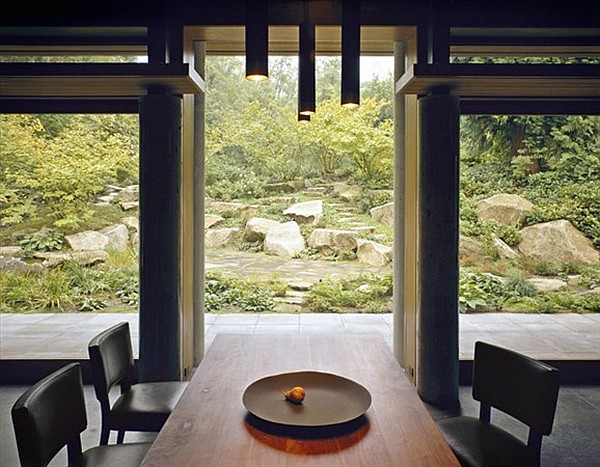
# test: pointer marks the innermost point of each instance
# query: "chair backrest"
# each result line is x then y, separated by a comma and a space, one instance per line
50, 415
111, 360
520, 386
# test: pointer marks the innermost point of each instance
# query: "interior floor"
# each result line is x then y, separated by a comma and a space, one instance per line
575, 440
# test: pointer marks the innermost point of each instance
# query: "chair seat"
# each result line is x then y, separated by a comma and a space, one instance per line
477, 444
116, 455
146, 406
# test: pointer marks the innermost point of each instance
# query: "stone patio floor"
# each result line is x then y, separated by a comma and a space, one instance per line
566, 336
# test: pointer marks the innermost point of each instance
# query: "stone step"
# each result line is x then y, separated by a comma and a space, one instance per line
363, 229
295, 294
289, 300
301, 286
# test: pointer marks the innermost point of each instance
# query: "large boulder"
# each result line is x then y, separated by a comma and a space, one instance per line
384, 214
469, 248
211, 221
546, 284
557, 241
329, 241
256, 229
284, 240
350, 193
506, 208
88, 240
219, 238
307, 212
84, 257
11, 251
129, 194
503, 249
131, 222
228, 209
118, 237
373, 253
9, 263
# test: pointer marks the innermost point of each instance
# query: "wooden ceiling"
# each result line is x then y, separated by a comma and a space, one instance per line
473, 29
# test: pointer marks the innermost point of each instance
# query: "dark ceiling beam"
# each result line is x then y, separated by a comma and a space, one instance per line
509, 13
525, 13
69, 106
95, 80
529, 107
504, 81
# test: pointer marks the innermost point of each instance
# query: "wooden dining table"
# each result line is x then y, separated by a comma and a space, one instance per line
210, 426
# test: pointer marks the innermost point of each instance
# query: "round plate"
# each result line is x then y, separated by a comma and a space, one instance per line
330, 399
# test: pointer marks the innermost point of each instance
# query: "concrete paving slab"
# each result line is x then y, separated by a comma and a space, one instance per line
558, 336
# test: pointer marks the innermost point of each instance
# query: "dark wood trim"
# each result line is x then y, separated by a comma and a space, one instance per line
96, 79
529, 107
69, 106
504, 81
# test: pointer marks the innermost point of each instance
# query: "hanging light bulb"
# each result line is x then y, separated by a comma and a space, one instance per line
306, 66
351, 53
257, 40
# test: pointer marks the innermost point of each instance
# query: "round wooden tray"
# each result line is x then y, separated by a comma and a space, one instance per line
330, 399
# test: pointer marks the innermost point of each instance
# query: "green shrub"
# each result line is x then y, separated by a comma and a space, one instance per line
363, 293
370, 199
53, 291
222, 293
590, 277
517, 285
45, 240
479, 290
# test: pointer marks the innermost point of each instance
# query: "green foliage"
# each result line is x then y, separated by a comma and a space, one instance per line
254, 138
557, 302
590, 277
69, 287
63, 169
129, 292
472, 226
363, 293
371, 199
232, 293
478, 290
552, 160
517, 285
47, 240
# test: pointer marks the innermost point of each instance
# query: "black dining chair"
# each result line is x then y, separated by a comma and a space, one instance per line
138, 407
520, 386
51, 414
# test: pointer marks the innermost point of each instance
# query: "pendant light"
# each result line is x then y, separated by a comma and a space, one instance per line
257, 40
351, 54
302, 118
306, 66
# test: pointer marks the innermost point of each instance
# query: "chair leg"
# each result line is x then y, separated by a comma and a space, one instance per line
105, 433
120, 437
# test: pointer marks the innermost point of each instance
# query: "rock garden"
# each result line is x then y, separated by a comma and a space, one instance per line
308, 247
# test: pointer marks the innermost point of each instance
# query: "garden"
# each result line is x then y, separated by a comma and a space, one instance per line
62, 175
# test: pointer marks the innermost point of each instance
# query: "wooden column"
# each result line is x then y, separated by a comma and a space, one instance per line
437, 345
405, 265
199, 166
160, 289
399, 328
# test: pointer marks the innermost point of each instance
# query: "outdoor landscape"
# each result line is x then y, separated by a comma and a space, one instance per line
299, 216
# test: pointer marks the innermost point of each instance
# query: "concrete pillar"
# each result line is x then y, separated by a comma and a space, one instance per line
160, 291
399, 330
437, 321
199, 165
